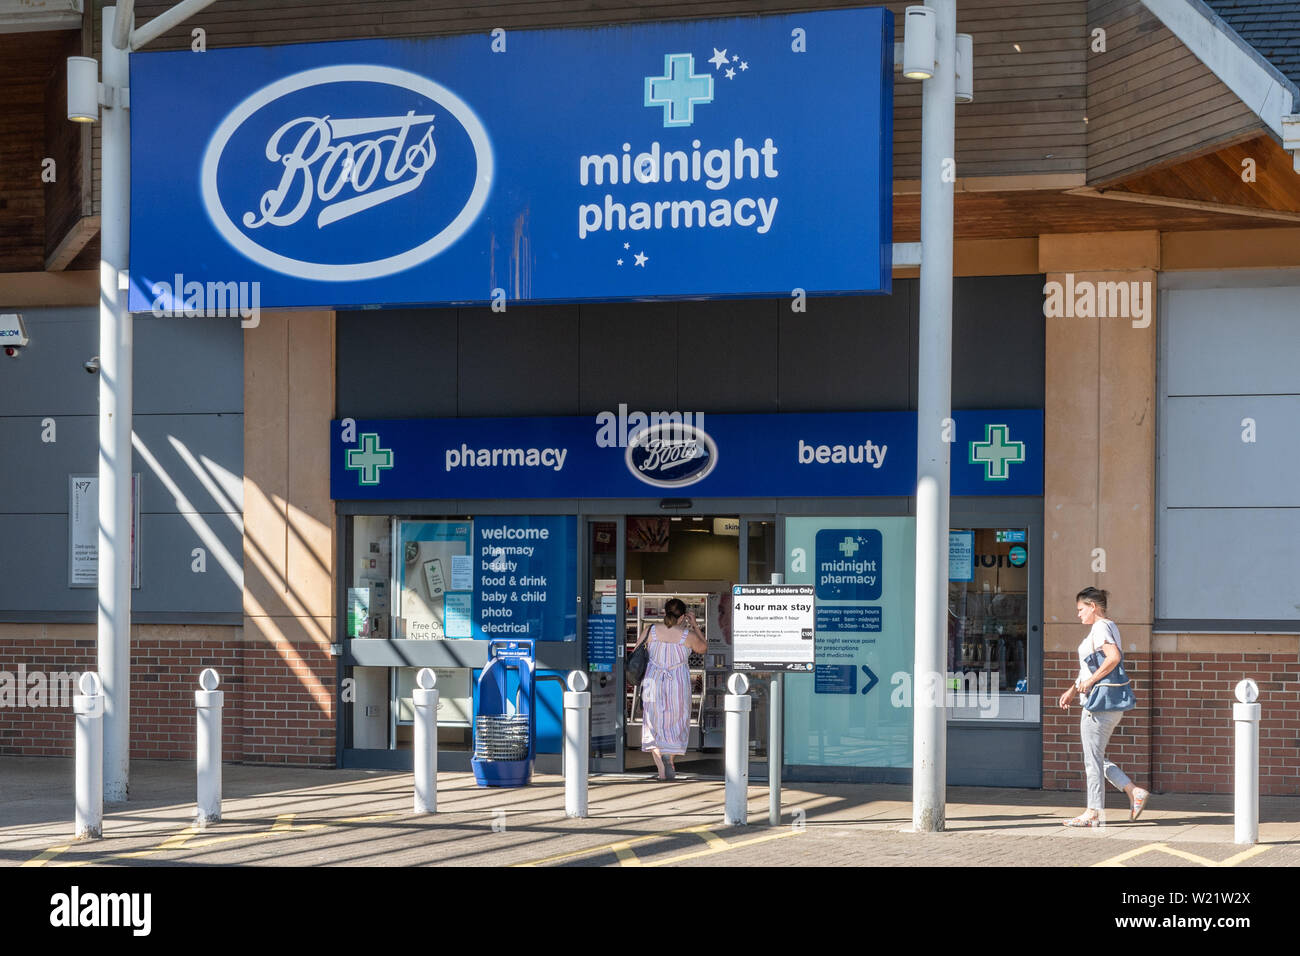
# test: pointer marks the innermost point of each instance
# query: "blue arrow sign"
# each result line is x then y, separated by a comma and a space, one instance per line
872, 679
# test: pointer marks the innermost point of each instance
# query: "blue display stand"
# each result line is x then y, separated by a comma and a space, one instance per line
505, 737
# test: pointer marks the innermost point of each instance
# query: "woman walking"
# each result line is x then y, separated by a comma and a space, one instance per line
666, 688
1099, 656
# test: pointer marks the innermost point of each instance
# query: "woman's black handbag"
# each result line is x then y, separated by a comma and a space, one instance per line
635, 665
1116, 691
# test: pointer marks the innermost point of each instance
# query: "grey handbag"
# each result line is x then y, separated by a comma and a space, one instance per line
1116, 691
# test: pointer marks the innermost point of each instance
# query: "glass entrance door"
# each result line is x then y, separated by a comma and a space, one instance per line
603, 628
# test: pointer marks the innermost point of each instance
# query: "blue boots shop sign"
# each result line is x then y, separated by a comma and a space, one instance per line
840, 454
705, 158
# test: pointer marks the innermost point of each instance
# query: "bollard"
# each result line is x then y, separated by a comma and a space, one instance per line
737, 704
1246, 778
425, 699
775, 741
208, 701
577, 737
88, 706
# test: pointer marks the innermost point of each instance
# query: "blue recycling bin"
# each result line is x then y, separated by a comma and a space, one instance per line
505, 736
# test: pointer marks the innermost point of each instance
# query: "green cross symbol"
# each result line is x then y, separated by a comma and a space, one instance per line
849, 547
996, 453
369, 459
679, 89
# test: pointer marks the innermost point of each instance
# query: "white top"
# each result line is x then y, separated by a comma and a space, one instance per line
1103, 631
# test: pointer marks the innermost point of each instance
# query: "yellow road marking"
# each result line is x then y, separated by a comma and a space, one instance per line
282, 826
1244, 855
1184, 855
713, 840
613, 847
625, 855
725, 846
46, 855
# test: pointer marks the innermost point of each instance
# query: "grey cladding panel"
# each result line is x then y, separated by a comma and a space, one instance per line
1232, 341
523, 361
1207, 464
186, 366
35, 572
48, 378
202, 456
742, 356
1229, 563
398, 363
848, 353
999, 344
181, 365
629, 354
727, 356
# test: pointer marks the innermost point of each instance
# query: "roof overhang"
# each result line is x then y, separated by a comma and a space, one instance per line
1256, 82
25, 16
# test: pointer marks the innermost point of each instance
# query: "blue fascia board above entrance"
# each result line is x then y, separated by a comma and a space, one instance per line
843, 454
721, 158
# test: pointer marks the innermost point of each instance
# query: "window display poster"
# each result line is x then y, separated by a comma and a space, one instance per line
358, 612
83, 531
602, 642
863, 571
429, 550
527, 569
961, 555
606, 704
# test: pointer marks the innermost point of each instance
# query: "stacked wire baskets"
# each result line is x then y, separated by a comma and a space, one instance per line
501, 737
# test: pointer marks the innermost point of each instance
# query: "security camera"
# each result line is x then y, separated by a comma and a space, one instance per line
91, 365
13, 334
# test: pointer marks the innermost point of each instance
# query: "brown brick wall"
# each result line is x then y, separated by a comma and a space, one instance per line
278, 704
1180, 739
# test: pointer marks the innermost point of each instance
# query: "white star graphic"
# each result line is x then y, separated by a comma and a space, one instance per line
641, 258
734, 57
626, 246
744, 65
731, 74
719, 58
620, 261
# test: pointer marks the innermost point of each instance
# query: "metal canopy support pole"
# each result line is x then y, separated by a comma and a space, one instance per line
775, 741
115, 384
934, 408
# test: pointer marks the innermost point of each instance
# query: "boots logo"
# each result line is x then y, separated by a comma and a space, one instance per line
347, 173
671, 455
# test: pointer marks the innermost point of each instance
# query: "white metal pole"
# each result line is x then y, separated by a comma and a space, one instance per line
934, 407
737, 705
775, 741
425, 699
115, 384
208, 702
88, 706
1246, 776
577, 737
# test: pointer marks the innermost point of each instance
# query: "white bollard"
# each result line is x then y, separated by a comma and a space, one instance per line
208, 702
775, 741
1246, 800
577, 743
88, 706
425, 699
737, 704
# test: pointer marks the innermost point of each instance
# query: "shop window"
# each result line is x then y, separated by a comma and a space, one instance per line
988, 617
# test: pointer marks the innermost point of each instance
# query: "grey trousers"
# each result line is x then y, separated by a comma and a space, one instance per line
1095, 730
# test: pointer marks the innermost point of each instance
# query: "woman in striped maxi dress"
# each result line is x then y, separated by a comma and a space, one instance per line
666, 688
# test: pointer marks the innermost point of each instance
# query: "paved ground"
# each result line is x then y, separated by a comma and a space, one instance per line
286, 817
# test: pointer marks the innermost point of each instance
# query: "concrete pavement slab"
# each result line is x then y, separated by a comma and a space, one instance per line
281, 816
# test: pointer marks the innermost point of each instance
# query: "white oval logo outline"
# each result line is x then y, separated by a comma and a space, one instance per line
348, 272
634, 442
